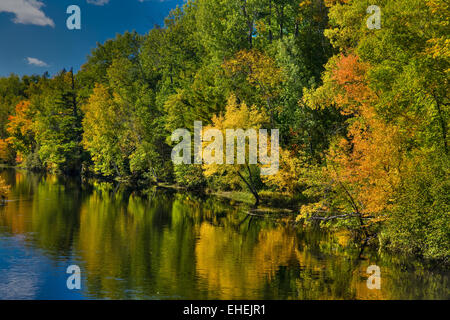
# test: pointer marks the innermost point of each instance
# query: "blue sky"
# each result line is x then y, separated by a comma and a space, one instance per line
34, 37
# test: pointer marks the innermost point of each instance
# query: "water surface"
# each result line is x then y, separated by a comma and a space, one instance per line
167, 245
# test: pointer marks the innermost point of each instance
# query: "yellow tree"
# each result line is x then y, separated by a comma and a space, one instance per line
4, 150
236, 117
286, 180
104, 135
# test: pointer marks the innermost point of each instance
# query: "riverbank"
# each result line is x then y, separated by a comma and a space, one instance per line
271, 202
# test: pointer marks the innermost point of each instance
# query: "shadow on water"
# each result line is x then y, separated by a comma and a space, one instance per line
167, 245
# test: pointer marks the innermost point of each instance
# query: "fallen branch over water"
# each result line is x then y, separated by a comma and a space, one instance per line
341, 216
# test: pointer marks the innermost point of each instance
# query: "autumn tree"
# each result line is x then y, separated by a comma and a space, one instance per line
390, 84
237, 116
20, 129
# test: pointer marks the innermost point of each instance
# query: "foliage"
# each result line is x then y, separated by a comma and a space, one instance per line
190, 176
363, 114
238, 116
286, 180
390, 159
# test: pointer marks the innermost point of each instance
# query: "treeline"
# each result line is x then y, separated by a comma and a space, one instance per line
362, 114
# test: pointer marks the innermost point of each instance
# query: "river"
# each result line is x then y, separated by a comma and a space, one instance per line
167, 245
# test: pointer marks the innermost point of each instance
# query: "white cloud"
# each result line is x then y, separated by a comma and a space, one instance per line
26, 12
98, 2
36, 62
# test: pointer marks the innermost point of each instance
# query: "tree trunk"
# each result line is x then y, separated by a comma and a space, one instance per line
249, 23
250, 187
270, 22
74, 97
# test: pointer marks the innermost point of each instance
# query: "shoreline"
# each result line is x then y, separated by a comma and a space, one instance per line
241, 198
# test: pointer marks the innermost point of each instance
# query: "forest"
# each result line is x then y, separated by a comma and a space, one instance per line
362, 113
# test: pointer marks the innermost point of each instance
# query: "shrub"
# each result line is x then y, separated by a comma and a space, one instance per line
190, 176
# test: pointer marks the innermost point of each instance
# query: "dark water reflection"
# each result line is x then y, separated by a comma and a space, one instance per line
176, 246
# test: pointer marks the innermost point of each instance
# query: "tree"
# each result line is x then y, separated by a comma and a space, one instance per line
12, 91
57, 123
363, 166
390, 85
238, 116
20, 130
250, 70
103, 137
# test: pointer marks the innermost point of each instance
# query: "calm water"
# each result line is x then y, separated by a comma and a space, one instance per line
177, 246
